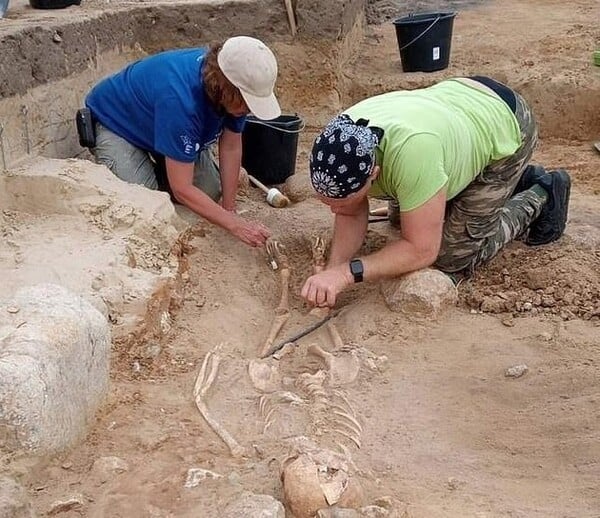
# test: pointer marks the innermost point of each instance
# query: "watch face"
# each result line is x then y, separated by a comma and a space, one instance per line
356, 269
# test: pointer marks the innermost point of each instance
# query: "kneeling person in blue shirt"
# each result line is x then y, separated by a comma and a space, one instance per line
156, 119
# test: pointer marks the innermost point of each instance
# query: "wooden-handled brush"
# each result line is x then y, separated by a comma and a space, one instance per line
275, 197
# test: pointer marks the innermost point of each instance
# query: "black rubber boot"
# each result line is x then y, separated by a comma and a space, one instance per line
551, 222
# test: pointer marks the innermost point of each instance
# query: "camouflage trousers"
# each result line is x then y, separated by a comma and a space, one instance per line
486, 216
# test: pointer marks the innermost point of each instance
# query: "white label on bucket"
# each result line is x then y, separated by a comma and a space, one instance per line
436, 53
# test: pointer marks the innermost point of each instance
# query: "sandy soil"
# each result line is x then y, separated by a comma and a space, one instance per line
444, 431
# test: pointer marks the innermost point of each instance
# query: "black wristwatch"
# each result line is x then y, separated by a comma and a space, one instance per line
357, 270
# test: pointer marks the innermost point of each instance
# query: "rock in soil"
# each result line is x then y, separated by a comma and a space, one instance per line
251, 505
516, 371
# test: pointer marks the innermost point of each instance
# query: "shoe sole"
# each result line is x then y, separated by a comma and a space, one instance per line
566, 196
563, 199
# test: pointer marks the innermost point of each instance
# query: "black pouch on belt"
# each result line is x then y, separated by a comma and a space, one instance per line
85, 128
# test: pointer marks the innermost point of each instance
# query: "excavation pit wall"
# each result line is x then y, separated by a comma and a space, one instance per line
50, 59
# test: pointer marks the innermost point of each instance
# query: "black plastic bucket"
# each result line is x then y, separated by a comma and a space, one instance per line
53, 4
269, 148
424, 41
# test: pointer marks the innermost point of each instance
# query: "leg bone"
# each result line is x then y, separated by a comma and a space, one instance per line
234, 447
203, 383
319, 249
282, 312
334, 334
276, 326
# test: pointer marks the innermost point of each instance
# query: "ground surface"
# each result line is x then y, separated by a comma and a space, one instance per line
444, 431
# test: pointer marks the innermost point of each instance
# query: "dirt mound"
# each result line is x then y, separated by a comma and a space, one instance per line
379, 11
561, 279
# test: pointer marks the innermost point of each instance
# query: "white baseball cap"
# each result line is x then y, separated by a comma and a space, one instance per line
251, 67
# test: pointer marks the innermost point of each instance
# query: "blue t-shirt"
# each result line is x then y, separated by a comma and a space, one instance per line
159, 105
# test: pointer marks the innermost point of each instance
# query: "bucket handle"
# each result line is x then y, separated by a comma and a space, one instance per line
422, 34
283, 130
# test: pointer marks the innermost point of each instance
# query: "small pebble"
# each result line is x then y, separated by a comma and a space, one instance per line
516, 371
454, 483
508, 321
197, 475
527, 306
13, 309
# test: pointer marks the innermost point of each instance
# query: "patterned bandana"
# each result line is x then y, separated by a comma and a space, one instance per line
343, 156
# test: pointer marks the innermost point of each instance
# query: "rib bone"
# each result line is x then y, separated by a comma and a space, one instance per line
349, 436
350, 422
266, 404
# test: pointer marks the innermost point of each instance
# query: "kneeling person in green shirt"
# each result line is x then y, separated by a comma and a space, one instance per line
453, 158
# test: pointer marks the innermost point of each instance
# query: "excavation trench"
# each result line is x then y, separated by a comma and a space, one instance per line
173, 289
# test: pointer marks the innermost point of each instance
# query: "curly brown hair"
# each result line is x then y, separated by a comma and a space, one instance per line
219, 89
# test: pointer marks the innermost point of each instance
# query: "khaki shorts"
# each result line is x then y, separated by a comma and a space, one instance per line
134, 165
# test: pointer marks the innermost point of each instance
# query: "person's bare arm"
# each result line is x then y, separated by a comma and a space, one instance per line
181, 176
417, 248
230, 161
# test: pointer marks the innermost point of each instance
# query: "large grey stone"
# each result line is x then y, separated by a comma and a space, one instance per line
14, 502
74, 223
426, 291
54, 359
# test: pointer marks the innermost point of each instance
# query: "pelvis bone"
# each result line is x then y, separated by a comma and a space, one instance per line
342, 366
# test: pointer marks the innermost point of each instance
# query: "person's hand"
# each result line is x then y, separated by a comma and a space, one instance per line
252, 233
323, 288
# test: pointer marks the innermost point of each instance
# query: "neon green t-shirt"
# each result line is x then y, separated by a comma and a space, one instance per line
444, 135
